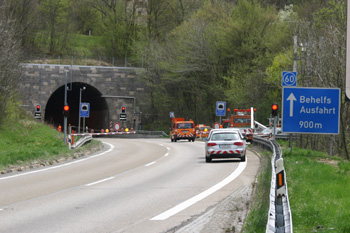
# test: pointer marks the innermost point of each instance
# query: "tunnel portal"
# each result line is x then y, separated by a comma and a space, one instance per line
98, 113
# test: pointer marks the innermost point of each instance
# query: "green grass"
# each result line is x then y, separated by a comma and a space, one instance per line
257, 217
26, 141
319, 191
85, 45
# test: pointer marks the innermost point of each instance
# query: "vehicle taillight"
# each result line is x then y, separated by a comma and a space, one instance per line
238, 143
211, 144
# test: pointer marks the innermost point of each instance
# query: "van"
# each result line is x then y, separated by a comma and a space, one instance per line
181, 129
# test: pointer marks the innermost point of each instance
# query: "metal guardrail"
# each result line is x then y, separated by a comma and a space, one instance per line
81, 141
158, 133
280, 215
87, 137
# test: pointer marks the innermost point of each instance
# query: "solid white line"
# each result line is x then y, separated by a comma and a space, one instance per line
62, 165
195, 199
100, 181
149, 164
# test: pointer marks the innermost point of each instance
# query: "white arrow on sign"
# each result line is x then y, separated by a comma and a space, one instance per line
291, 98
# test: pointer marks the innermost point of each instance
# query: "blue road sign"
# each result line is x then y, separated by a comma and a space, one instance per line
289, 78
84, 109
220, 108
172, 115
310, 110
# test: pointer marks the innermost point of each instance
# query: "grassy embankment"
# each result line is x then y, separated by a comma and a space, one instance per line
26, 141
319, 193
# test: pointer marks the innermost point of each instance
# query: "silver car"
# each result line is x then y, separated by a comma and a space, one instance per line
225, 143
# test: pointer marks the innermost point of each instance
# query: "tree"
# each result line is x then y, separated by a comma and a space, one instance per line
24, 14
323, 65
56, 24
249, 42
9, 60
188, 70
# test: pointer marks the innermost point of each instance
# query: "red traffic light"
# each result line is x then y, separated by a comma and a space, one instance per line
65, 110
38, 108
123, 109
274, 109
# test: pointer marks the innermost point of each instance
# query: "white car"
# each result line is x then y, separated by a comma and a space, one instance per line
225, 143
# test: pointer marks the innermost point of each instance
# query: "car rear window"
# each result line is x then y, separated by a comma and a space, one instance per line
224, 136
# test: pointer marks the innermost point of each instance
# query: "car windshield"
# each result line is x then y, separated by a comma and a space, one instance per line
241, 120
224, 136
184, 125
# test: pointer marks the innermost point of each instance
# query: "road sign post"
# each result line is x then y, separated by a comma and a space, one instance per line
347, 65
310, 110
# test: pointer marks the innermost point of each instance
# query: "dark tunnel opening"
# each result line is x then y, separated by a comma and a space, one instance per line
98, 113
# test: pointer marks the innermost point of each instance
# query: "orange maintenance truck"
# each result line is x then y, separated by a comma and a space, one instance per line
242, 119
181, 129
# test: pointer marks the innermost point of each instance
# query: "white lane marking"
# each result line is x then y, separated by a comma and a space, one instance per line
195, 199
168, 149
100, 181
62, 165
149, 164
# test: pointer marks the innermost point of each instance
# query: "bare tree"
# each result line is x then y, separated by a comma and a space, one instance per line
9, 59
322, 64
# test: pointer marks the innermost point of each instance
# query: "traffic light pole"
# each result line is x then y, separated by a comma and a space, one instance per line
64, 117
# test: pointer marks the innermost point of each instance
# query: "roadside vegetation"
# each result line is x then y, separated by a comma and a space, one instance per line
257, 217
318, 189
25, 141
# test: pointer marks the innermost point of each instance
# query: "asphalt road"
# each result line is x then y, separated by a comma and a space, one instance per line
132, 185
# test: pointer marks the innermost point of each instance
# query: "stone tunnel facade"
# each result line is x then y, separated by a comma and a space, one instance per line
108, 88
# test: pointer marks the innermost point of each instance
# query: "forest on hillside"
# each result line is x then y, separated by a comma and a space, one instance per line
194, 52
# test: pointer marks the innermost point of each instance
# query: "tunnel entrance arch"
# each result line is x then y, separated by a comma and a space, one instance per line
98, 118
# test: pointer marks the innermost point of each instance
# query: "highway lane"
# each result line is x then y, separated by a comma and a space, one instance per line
130, 187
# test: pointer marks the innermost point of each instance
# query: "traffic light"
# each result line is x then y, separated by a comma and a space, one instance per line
274, 109
123, 109
66, 110
38, 108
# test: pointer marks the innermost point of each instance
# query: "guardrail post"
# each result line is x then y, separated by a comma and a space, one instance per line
69, 138
280, 178
280, 192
